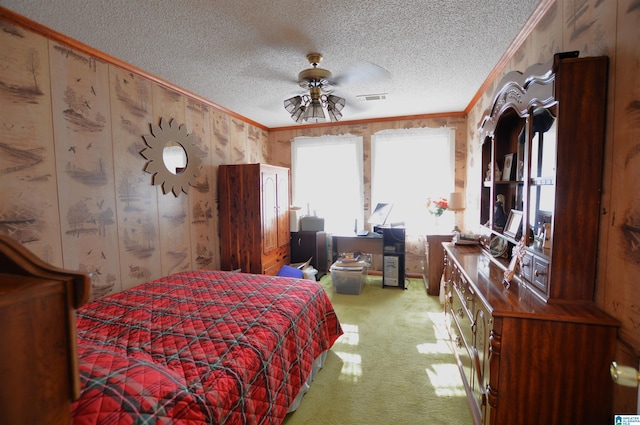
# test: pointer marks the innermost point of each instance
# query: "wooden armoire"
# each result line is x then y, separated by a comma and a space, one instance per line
254, 217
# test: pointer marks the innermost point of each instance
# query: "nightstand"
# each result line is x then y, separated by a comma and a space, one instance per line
434, 255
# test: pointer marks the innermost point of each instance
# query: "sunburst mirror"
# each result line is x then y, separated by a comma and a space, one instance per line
171, 158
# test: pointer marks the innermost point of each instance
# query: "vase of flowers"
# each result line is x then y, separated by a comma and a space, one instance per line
437, 208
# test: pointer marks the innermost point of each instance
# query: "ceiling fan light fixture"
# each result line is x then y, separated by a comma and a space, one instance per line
292, 104
334, 102
315, 109
334, 115
315, 106
314, 112
306, 109
298, 114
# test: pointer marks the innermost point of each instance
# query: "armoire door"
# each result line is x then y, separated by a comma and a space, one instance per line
269, 210
282, 207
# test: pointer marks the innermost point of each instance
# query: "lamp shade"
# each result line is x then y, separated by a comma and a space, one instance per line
314, 112
292, 104
298, 114
456, 201
335, 102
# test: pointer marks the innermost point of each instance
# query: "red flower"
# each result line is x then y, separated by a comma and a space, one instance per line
437, 207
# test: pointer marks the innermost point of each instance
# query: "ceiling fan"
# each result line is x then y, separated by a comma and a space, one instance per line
311, 107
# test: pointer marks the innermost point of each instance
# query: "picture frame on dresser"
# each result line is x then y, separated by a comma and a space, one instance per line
508, 166
514, 224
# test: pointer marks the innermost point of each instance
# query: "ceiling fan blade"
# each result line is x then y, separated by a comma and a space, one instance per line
270, 73
365, 72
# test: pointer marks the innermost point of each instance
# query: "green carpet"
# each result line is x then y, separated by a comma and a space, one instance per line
392, 366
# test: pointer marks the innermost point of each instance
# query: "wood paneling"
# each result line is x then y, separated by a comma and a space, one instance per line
204, 234
79, 197
620, 259
173, 212
85, 166
136, 203
29, 209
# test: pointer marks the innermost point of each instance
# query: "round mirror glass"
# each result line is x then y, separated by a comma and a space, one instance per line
174, 157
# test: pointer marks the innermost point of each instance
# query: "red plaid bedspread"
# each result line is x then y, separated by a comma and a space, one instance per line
201, 347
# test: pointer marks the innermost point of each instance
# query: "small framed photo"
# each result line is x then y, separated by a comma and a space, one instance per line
514, 224
508, 167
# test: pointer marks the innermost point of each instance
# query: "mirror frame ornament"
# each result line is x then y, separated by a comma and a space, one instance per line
160, 135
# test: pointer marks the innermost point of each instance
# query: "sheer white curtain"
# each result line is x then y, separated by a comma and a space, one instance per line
327, 179
409, 166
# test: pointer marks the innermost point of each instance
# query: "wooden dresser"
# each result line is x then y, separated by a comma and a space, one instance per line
524, 361
532, 346
39, 367
254, 217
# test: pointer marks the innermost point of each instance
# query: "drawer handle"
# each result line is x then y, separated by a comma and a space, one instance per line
460, 312
538, 273
625, 375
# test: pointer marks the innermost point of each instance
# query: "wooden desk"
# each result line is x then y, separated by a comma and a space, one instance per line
435, 261
371, 244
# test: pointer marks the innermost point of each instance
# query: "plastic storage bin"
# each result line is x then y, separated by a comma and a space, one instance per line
350, 277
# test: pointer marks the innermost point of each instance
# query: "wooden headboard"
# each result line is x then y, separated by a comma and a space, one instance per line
39, 367
15, 259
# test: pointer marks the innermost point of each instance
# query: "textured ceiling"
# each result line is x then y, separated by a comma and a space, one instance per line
245, 55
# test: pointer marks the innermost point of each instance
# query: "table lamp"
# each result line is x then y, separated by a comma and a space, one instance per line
456, 203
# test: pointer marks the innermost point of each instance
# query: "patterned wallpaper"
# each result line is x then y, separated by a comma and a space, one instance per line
74, 189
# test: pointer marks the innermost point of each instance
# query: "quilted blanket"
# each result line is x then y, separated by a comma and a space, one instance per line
201, 347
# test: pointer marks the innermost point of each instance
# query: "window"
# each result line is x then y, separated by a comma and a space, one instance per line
409, 166
327, 179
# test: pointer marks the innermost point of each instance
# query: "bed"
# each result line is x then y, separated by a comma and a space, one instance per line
200, 347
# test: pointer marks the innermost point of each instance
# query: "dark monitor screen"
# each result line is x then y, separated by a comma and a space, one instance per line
380, 213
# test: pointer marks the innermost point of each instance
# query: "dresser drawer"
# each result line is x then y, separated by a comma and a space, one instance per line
535, 270
527, 266
461, 351
462, 316
539, 274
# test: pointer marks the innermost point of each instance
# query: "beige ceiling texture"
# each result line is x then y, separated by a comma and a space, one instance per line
245, 55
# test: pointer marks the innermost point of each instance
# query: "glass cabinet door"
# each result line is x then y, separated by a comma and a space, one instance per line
502, 189
542, 180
